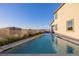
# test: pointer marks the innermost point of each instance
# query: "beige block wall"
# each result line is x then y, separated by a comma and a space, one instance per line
8, 33
16, 33
68, 12
24, 32
4, 33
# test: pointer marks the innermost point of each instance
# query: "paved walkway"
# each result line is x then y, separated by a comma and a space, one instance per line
72, 40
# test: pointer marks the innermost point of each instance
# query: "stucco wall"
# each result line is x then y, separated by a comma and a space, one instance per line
68, 12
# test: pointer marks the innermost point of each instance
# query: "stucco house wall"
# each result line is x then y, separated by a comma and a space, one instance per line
67, 12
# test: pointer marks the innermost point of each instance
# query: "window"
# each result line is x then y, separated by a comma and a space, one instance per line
70, 25
55, 16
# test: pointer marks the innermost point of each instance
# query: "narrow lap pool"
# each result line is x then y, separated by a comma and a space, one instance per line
41, 45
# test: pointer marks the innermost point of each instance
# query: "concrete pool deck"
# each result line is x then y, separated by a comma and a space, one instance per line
67, 38
11, 45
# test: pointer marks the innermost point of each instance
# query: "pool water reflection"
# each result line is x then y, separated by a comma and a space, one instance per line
65, 47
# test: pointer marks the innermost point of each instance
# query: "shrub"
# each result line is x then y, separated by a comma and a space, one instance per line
11, 39
24, 37
14, 39
3, 42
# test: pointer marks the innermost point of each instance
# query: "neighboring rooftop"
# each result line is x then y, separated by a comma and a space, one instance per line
11, 28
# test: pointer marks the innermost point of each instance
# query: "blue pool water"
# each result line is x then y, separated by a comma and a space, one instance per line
40, 45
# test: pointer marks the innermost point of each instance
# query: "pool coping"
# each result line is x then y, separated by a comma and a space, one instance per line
67, 38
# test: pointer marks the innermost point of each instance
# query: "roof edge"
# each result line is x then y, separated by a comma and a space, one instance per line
51, 22
57, 10
59, 7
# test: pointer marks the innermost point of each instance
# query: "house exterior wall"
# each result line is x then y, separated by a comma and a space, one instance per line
67, 12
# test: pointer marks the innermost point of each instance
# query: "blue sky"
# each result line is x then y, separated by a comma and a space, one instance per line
34, 16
